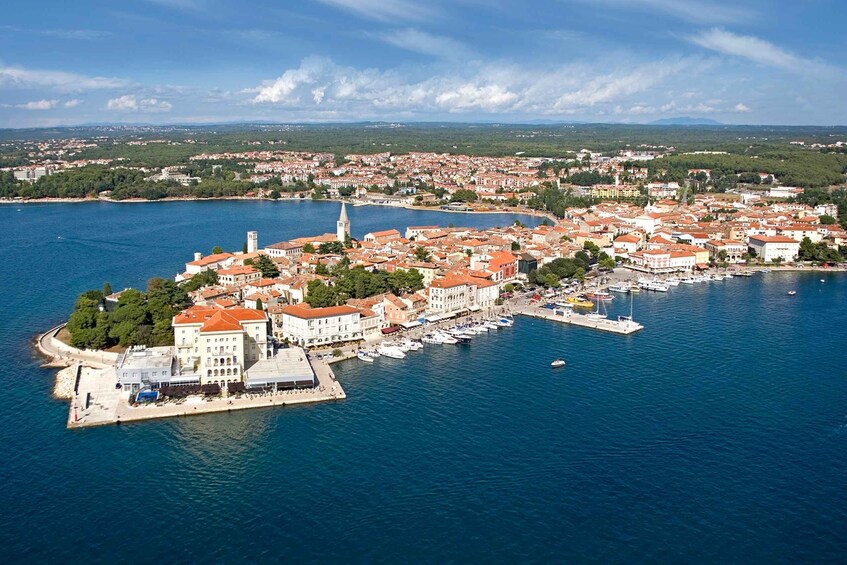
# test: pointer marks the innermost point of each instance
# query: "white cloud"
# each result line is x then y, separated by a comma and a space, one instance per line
489, 98
422, 42
131, 103
38, 105
384, 10
72, 103
469, 88
57, 80
741, 107
755, 49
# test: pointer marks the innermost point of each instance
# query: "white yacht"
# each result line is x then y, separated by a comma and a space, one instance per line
390, 351
365, 356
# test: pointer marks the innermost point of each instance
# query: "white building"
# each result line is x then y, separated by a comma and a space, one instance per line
769, 248
219, 345
252, 241
734, 250
342, 227
311, 327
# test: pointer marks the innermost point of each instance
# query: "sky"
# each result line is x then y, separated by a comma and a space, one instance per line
779, 62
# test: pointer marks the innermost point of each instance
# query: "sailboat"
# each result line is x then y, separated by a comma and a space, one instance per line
627, 318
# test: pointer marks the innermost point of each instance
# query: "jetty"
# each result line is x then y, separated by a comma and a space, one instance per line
97, 402
624, 326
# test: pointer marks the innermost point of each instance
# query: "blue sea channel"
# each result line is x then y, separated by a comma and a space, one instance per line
718, 434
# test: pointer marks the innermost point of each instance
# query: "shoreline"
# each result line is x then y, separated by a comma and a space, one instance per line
532, 213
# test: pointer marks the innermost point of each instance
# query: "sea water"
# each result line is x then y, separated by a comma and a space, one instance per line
718, 433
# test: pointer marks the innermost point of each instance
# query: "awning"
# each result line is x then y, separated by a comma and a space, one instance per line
433, 318
391, 330
475, 308
184, 379
702, 266
408, 325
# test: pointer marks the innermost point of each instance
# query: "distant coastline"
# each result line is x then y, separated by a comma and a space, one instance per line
533, 213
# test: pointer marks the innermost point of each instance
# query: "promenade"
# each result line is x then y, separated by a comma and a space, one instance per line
97, 401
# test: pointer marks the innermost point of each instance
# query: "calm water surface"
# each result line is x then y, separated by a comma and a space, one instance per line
718, 434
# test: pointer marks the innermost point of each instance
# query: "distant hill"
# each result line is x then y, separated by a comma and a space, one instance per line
685, 121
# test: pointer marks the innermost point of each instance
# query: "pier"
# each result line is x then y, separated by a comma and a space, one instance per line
97, 402
622, 327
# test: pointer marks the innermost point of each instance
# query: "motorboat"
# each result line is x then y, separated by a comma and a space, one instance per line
792, 292
446, 338
489, 324
504, 323
390, 351
579, 302
558, 363
364, 356
432, 338
620, 287
672, 281
687, 280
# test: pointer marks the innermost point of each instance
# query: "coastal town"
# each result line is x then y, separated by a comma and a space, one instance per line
266, 321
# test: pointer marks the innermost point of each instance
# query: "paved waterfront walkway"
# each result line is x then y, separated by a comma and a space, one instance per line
109, 405
65, 355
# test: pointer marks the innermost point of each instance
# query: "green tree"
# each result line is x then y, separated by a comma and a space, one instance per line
516, 246
331, 248
308, 248
464, 195
216, 249
826, 220
127, 319
107, 289
402, 281
267, 267
320, 295
259, 306
422, 254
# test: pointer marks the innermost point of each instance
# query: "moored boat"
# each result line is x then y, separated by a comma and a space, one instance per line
599, 295
365, 356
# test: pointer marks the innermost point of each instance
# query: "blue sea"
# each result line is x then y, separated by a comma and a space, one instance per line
718, 434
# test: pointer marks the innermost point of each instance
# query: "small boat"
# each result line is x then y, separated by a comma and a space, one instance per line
558, 363
792, 292
687, 280
365, 356
599, 295
672, 281
620, 287
390, 351
432, 338
823, 280
446, 338
579, 302
504, 323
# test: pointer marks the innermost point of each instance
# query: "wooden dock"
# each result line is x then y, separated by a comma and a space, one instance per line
622, 327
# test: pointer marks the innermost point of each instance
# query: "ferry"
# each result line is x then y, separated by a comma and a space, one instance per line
599, 295
558, 363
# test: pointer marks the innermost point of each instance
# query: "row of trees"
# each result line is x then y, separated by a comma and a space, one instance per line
140, 318
349, 283
123, 183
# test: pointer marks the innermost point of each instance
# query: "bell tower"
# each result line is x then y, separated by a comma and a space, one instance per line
342, 227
